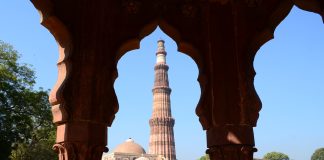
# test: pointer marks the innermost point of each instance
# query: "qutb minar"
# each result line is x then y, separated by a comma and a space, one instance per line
161, 122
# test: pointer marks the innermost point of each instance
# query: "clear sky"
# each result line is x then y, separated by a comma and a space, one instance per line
289, 81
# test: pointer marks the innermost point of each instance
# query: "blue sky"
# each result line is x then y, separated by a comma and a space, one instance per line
289, 81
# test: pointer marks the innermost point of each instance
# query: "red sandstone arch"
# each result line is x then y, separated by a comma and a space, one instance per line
183, 46
222, 37
64, 41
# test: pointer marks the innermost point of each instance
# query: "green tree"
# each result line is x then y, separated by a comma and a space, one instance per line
318, 154
38, 149
205, 157
275, 156
25, 117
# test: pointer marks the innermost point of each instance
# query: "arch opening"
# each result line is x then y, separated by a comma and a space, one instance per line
289, 82
134, 91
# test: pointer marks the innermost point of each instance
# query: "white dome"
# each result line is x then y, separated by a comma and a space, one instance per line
129, 146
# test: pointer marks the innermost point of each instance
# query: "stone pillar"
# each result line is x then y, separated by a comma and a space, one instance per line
83, 99
79, 140
230, 143
84, 105
229, 106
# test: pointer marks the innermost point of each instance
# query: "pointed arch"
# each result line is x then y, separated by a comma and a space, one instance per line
183, 47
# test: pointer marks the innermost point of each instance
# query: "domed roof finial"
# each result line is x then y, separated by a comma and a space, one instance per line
129, 146
129, 140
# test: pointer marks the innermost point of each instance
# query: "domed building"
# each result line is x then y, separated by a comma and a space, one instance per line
129, 146
129, 150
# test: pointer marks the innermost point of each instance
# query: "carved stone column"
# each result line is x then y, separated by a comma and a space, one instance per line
230, 143
81, 141
83, 99
231, 152
229, 107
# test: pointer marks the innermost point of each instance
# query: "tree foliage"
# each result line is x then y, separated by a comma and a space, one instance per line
318, 154
205, 157
25, 117
38, 149
275, 156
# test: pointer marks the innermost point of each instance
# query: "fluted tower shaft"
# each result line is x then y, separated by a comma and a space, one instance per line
161, 122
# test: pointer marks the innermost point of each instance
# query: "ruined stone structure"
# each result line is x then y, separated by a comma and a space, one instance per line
161, 123
221, 36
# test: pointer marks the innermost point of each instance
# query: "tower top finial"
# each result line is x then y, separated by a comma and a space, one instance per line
160, 40
160, 43
160, 53
161, 48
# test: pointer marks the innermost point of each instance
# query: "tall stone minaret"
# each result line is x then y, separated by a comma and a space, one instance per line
161, 122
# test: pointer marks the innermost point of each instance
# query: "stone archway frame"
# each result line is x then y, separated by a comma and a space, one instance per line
315, 6
183, 47
277, 16
233, 142
64, 42
56, 99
